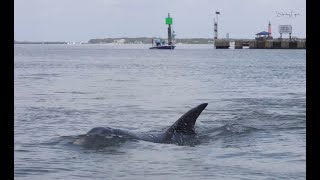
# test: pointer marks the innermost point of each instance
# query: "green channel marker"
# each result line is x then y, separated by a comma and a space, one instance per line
168, 20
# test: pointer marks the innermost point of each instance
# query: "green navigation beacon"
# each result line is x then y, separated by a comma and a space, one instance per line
169, 19
169, 22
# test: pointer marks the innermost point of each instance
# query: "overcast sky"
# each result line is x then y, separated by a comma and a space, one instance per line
82, 20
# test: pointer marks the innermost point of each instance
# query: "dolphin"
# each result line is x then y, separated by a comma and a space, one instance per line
182, 130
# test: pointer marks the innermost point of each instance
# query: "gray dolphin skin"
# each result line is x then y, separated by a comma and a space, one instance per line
181, 130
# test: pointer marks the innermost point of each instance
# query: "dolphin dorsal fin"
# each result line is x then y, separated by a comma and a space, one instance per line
185, 124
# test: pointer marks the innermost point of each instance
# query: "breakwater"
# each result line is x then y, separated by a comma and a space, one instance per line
261, 44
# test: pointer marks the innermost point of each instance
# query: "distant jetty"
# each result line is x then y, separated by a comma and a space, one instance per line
261, 44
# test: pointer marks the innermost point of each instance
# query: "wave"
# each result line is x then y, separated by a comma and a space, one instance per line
92, 141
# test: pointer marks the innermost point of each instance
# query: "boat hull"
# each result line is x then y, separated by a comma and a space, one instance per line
163, 47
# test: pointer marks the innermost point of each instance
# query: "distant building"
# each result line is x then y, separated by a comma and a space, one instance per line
263, 35
119, 41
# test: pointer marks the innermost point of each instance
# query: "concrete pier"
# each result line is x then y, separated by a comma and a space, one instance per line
221, 44
285, 44
301, 44
262, 44
252, 44
269, 44
238, 45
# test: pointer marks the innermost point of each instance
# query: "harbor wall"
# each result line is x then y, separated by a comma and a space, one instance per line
266, 44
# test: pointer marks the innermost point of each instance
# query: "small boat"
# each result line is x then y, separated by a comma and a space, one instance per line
157, 43
161, 44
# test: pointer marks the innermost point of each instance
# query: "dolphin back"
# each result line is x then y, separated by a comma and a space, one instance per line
177, 133
185, 124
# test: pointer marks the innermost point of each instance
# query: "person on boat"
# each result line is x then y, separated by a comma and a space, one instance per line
157, 42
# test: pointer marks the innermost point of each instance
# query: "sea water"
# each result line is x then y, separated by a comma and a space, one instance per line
254, 126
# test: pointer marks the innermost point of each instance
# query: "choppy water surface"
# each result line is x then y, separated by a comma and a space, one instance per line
253, 128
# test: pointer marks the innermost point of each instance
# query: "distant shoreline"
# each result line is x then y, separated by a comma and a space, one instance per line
37, 42
125, 40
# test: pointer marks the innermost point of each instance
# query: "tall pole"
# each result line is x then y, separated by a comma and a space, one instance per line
169, 32
269, 29
215, 29
216, 26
